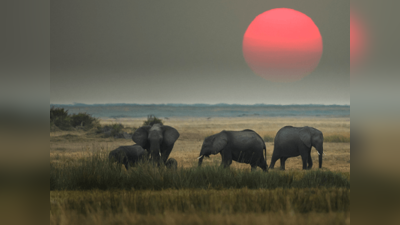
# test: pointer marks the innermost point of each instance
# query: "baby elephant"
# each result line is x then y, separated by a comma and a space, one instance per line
128, 155
171, 163
241, 146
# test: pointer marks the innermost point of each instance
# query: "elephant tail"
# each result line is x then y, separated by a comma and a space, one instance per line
264, 147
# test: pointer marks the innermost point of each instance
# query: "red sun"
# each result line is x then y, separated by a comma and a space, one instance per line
358, 41
282, 45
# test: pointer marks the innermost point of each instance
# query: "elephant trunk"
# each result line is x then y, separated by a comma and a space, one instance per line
320, 161
201, 160
155, 154
321, 153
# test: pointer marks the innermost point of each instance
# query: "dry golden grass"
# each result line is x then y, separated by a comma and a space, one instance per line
289, 218
71, 146
243, 206
76, 144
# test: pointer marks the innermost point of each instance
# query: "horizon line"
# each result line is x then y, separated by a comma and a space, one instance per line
207, 104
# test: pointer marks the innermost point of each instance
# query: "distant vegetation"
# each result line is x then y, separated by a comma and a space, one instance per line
60, 119
151, 120
112, 130
84, 120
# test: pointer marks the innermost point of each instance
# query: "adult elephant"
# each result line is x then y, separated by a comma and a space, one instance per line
157, 139
294, 141
241, 146
128, 155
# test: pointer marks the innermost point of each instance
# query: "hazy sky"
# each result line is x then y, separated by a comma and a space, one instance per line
185, 52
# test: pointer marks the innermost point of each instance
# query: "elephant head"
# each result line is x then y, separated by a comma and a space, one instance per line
157, 139
213, 145
312, 137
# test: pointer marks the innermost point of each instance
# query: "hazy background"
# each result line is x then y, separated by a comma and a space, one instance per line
184, 52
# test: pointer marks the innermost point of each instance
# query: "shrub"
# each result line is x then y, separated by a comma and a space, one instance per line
111, 130
59, 117
85, 120
151, 120
57, 112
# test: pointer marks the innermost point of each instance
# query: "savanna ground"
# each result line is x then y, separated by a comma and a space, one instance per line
300, 197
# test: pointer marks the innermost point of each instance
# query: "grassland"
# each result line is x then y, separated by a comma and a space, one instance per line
86, 189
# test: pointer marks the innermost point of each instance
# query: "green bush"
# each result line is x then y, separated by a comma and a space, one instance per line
57, 112
116, 129
85, 120
151, 120
59, 117
110, 130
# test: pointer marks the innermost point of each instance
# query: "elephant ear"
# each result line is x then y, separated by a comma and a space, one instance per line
170, 135
219, 142
140, 135
305, 136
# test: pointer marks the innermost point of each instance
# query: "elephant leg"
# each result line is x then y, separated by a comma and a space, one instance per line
253, 168
263, 165
224, 162
165, 151
226, 159
283, 160
273, 160
126, 163
310, 163
227, 162
155, 158
171, 163
305, 159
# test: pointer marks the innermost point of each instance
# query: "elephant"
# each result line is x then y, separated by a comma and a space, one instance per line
128, 155
244, 146
294, 141
158, 140
171, 163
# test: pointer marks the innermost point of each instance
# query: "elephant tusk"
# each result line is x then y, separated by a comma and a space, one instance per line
319, 154
324, 153
199, 157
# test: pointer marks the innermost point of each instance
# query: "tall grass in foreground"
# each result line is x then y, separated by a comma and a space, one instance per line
289, 218
96, 172
207, 201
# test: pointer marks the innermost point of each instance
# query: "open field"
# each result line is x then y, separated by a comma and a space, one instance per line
76, 144
86, 189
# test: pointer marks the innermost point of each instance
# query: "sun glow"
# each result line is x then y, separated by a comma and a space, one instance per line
282, 45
